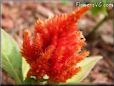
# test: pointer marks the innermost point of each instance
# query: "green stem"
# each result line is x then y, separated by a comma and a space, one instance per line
97, 26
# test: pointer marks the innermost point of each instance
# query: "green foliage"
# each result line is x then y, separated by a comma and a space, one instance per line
64, 2
99, 6
25, 68
86, 66
17, 67
11, 58
29, 81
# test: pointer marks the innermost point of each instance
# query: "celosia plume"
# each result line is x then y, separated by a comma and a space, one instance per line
56, 47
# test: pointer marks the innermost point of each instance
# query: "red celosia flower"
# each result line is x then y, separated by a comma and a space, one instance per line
56, 47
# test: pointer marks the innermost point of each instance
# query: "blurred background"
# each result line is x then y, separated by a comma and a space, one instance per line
97, 26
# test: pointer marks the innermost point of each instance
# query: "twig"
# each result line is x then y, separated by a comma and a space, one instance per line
92, 33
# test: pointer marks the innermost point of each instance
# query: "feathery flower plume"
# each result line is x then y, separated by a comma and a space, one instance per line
55, 47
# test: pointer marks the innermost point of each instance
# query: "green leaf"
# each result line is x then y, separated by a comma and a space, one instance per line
86, 65
11, 58
99, 7
30, 81
96, 10
64, 2
25, 68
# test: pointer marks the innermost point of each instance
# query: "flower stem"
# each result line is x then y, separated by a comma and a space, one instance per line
91, 35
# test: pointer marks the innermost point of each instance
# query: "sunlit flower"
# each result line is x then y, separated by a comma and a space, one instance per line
56, 47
